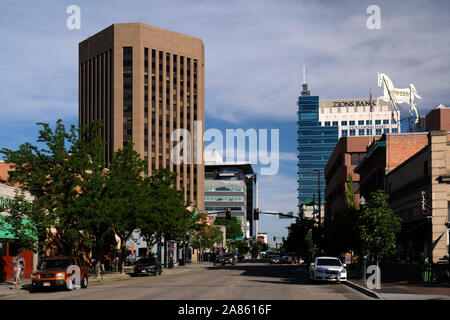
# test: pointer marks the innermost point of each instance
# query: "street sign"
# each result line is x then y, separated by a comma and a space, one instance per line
238, 238
423, 202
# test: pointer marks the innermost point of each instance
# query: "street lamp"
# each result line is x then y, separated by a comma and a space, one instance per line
362, 201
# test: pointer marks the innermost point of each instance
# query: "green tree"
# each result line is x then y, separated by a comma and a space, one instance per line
378, 226
233, 226
17, 224
52, 174
206, 236
126, 195
300, 239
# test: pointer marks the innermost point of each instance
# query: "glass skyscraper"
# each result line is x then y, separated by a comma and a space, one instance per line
316, 143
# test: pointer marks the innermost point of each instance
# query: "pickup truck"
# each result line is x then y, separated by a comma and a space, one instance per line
60, 272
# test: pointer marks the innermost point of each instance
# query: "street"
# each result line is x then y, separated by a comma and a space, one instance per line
243, 281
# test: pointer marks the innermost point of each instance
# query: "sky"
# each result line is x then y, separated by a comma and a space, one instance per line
254, 53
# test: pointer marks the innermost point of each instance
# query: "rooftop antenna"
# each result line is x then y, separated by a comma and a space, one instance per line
304, 74
305, 91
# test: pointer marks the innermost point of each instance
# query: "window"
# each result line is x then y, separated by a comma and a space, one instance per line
369, 132
394, 130
352, 123
361, 132
355, 158
335, 123
344, 133
2, 249
368, 121
360, 122
386, 130
327, 123
385, 121
343, 123
352, 132
377, 121
378, 132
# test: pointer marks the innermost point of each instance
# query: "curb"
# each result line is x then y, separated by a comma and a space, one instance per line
364, 290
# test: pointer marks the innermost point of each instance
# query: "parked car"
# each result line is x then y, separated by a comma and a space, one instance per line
239, 257
59, 272
275, 258
228, 258
218, 259
328, 269
150, 265
287, 259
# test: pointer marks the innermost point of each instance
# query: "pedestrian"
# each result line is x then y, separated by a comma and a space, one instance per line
19, 265
102, 269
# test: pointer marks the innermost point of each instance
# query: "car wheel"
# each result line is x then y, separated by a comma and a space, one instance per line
84, 282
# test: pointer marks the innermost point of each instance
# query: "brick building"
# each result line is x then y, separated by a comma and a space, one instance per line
345, 157
383, 156
419, 191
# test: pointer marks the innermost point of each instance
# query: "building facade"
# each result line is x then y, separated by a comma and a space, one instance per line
419, 191
384, 155
144, 82
359, 116
8, 250
226, 186
345, 157
315, 145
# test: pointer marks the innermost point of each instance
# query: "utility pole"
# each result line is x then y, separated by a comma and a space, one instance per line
257, 206
318, 191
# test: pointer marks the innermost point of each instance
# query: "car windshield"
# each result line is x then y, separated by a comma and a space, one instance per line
146, 260
328, 262
54, 264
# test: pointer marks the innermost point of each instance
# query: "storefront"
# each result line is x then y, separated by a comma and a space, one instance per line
9, 250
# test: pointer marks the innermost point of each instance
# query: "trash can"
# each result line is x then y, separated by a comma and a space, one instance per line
171, 264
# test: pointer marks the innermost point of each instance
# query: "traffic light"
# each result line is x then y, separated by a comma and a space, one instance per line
228, 213
256, 214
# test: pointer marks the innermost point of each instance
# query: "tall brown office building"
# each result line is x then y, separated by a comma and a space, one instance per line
144, 82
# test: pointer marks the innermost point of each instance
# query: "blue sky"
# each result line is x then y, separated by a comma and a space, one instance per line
254, 50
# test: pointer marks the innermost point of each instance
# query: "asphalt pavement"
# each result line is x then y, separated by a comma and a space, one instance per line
243, 281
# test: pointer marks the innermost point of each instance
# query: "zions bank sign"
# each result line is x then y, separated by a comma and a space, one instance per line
353, 103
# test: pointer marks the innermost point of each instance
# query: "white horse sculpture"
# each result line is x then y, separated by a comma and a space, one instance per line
398, 96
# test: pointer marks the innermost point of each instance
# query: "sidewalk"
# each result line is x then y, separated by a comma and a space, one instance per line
7, 288
404, 290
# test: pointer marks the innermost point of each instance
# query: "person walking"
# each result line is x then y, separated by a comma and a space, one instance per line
19, 266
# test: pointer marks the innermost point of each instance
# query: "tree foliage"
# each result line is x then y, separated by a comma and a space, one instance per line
233, 226
378, 226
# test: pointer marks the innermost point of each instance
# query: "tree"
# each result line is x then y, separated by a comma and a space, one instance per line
341, 232
126, 195
52, 174
378, 226
17, 224
300, 239
233, 226
206, 237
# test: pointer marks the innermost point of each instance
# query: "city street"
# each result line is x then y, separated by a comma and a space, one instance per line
246, 281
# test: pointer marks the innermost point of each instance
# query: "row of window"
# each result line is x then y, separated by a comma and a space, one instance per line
224, 198
353, 123
224, 188
224, 208
366, 132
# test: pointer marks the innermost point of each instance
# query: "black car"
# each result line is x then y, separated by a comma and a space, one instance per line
148, 266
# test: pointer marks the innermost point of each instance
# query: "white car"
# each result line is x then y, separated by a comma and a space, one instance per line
328, 269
